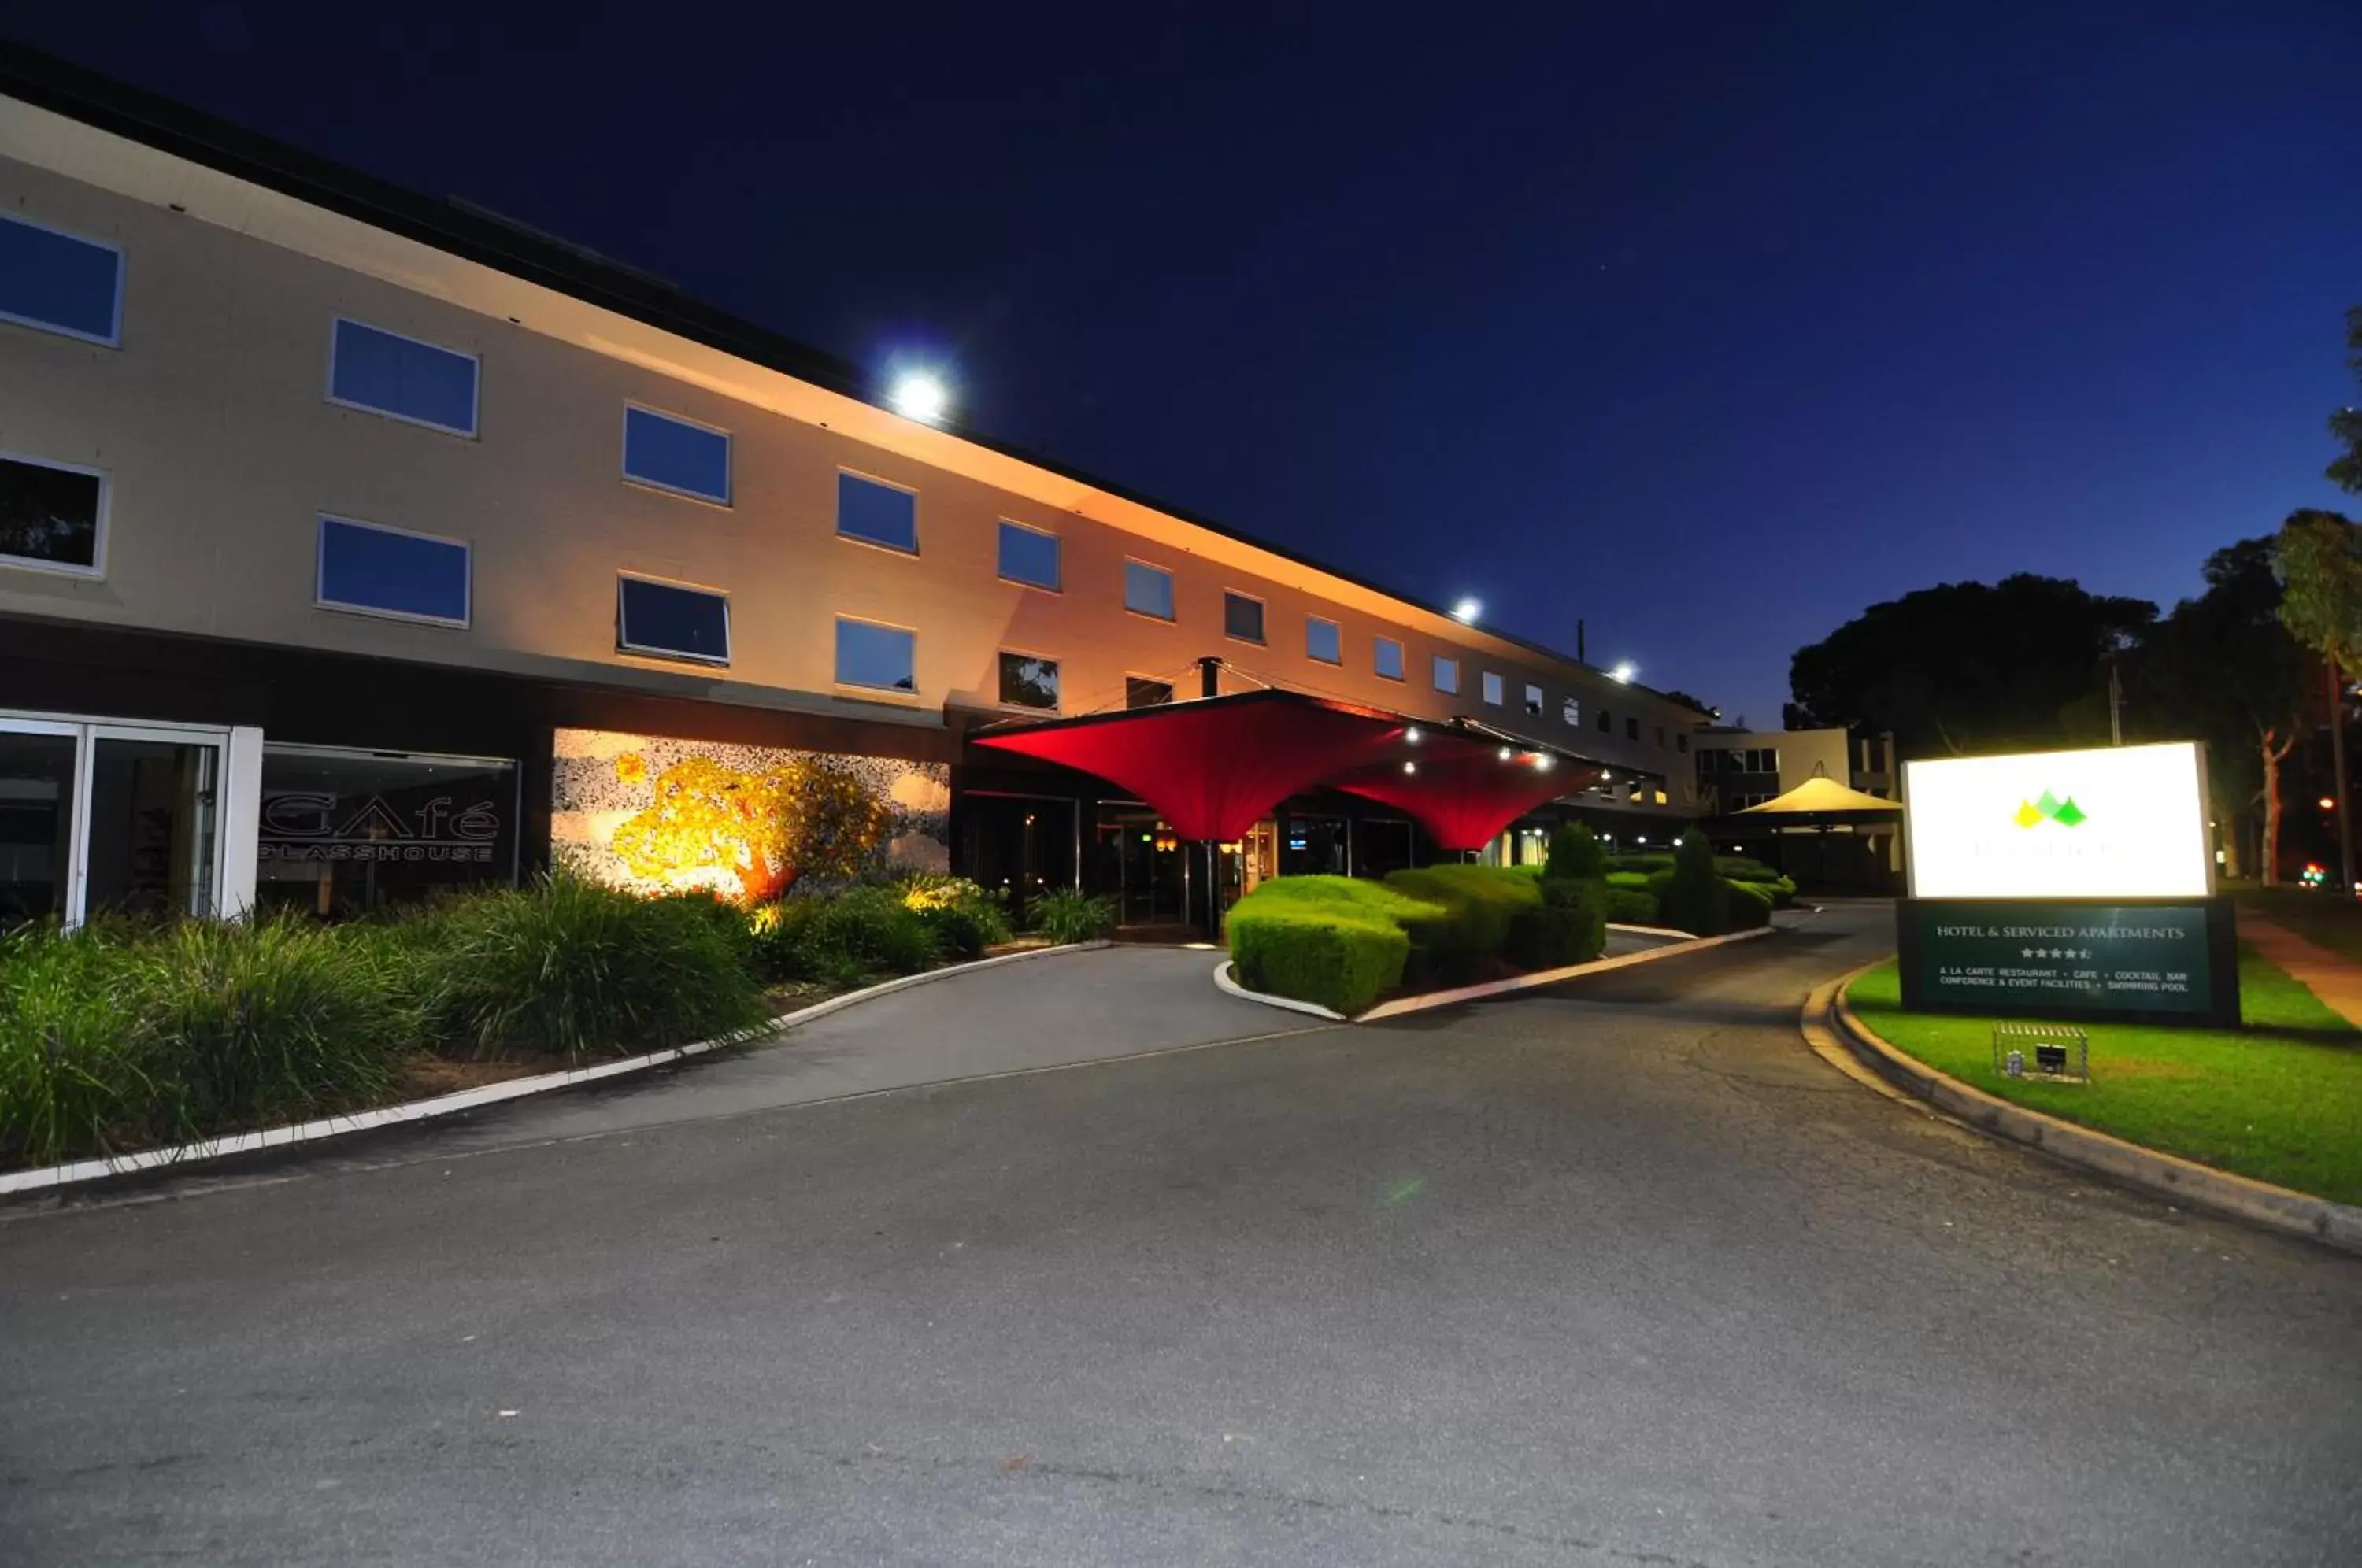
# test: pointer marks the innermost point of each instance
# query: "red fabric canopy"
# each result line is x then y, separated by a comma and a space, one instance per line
1214, 766
1464, 792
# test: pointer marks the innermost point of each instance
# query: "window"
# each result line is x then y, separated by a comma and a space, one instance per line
1570, 713
884, 657
391, 571
1681, 743
60, 281
1446, 674
1029, 682
1606, 724
1631, 729
1139, 692
1148, 591
670, 621
673, 454
1494, 692
1533, 701
341, 832
388, 373
1029, 556
1322, 641
1661, 738
876, 514
1387, 659
52, 516
1243, 617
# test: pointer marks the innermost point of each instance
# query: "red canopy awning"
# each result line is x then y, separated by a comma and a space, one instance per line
1464, 790
1214, 766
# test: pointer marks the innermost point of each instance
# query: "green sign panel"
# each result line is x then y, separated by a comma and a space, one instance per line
2067, 958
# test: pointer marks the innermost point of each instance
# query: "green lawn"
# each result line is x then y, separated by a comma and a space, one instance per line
2317, 915
2279, 1099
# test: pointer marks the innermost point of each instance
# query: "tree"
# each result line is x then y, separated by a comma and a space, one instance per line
2318, 556
2346, 424
813, 815
2223, 669
1967, 665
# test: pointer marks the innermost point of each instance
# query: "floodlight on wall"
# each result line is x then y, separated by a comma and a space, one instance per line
1466, 611
1624, 671
921, 395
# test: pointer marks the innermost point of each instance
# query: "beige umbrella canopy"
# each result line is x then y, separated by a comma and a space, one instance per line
1821, 796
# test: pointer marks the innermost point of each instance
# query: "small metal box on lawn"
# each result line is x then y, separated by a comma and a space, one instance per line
2054, 1053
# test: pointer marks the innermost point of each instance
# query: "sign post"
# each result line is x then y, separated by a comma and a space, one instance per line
2066, 884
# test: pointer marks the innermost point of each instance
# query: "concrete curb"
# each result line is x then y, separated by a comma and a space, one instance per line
1403, 1006
51, 1179
2168, 1175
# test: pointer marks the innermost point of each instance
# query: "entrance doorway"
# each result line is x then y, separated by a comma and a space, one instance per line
1141, 866
109, 819
1019, 845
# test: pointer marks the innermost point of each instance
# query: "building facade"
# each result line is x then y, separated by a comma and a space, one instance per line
353, 545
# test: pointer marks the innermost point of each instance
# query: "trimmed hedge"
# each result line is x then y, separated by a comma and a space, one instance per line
1569, 926
1631, 906
1750, 905
1333, 940
1477, 905
1631, 881
1576, 854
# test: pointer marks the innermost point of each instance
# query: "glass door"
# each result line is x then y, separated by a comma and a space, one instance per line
36, 837
98, 818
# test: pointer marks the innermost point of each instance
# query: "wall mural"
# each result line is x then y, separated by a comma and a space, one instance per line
747, 823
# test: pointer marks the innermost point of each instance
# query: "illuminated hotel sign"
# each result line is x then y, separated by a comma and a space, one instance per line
2065, 884
2128, 822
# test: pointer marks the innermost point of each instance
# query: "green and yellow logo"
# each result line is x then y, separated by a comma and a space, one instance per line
2049, 809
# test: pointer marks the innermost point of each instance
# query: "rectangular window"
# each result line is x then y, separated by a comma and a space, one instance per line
876, 514
387, 373
1661, 738
1533, 701
1494, 692
1681, 743
1570, 713
1323, 641
1029, 682
1029, 556
1605, 724
391, 571
883, 657
1447, 674
671, 622
1243, 617
343, 832
1139, 692
1631, 729
673, 454
60, 281
52, 516
1387, 659
1148, 590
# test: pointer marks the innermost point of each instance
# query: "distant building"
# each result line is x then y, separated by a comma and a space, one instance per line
1740, 768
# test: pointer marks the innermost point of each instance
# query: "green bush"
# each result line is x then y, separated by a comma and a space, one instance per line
1631, 906
1576, 854
1335, 954
71, 1077
1750, 905
1632, 882
1072, 917
1744, 868
572, 967
964, 916
1690, 897
1476, 904
1644, 861
1569, 926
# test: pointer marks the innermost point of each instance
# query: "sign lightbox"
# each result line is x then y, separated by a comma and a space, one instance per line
2122, 823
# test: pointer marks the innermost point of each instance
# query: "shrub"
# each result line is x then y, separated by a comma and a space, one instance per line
874, 928
1576, 853
1474, 908
1744, 868
1072, 917
964, 918
573, 966
71, 1077
1643, 862
1632, 882
1631, 906
1750, 905
1569, 926
1334, 955
1690, 897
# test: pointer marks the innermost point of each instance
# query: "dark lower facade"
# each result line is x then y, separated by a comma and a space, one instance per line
158, 774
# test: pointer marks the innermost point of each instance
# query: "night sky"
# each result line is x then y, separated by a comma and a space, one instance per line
1710, 327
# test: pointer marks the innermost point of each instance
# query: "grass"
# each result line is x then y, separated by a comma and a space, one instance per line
2279, 1099
2318, 916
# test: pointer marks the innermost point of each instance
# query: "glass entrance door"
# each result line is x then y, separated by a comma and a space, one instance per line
98, 818
1141, 862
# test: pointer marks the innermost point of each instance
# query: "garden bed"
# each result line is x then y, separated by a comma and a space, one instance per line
2278, 1100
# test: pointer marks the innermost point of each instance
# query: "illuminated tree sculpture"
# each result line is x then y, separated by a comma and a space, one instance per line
810, 816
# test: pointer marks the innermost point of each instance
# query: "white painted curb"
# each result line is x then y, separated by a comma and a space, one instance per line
50, 1177
2219, 1192
1229, 983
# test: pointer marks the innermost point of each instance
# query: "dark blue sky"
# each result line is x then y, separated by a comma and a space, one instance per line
1707, 326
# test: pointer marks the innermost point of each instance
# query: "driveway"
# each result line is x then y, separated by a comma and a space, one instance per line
1614, 1274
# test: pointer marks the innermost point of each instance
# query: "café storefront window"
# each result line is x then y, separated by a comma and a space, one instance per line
343, 831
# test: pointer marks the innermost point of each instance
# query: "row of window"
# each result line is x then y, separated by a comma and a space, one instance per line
53, 514
1739, 759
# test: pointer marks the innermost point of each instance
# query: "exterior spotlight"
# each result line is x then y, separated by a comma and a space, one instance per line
920, 396
1644, 838
1410, 768
1467, 610
1411, 734
1505, 754
2328, 803
1545, 762
1624, 671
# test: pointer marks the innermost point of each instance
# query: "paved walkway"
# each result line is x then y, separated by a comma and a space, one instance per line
2336, 979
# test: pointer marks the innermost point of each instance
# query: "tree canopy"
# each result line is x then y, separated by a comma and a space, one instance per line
1971, 667
2346, 424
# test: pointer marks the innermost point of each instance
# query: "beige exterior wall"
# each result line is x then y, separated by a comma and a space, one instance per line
222, 450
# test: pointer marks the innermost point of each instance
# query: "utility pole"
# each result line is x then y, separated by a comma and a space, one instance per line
2337, 763
2115, 707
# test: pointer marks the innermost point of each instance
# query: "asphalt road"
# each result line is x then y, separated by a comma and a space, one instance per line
1616, 1274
